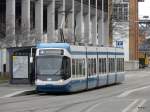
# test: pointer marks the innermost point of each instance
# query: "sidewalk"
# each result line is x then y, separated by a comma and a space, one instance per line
10, 90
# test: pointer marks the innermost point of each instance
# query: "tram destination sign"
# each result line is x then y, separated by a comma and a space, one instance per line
51, 52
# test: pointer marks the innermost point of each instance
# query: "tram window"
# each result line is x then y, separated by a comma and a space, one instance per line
113, 65
77, 67
83, 67
120, 65
117, 65
103, 65
99, 63
66, 69
94, 66
104, 61
123, 63
99, 66
73, 67
80, 67
109, 61
89, 66
109, 64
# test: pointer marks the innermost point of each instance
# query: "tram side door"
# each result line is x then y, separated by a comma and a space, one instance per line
91, 67
111, 66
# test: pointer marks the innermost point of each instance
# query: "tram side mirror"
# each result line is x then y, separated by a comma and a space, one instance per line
31, 59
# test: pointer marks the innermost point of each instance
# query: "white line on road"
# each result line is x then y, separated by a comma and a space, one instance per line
14, 94
126, 93
139, 106
130, 106
93, 107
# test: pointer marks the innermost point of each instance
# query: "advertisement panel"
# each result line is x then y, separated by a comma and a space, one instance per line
20, 66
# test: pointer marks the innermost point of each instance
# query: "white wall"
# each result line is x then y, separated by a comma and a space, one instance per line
121, 33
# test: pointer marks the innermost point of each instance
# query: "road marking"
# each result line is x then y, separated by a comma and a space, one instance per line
93, 107
139, 106
130, 106
126, 93
14, 94
139, 76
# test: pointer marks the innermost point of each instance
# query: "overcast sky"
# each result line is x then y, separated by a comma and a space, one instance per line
144, 8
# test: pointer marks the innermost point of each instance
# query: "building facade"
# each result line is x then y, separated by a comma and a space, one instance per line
27, 22
125, 17
120, 11
121, 25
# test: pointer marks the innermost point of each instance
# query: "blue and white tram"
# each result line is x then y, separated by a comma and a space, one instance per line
61, 67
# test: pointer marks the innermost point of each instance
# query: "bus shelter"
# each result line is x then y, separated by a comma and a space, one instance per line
20, 68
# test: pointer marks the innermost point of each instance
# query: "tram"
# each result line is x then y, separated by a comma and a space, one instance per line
61, 67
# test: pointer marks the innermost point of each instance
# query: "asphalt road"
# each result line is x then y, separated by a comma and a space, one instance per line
131, 96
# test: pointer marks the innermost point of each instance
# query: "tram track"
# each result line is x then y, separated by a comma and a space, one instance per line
92, 101
68, 105
84, 101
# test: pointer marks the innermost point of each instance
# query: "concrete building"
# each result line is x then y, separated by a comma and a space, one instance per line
121, 28
126, 29
121, 25
27, 22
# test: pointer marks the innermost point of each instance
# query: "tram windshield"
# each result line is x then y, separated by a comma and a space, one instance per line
53, 68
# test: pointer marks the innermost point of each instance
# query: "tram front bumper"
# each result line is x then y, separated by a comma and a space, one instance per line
53, 88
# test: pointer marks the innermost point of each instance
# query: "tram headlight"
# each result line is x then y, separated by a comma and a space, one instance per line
61, 81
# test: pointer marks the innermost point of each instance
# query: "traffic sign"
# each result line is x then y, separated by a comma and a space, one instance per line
119, 44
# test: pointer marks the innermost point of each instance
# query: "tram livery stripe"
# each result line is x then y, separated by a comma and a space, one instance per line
95, 53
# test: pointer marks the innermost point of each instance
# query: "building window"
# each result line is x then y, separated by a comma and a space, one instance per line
120, 12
